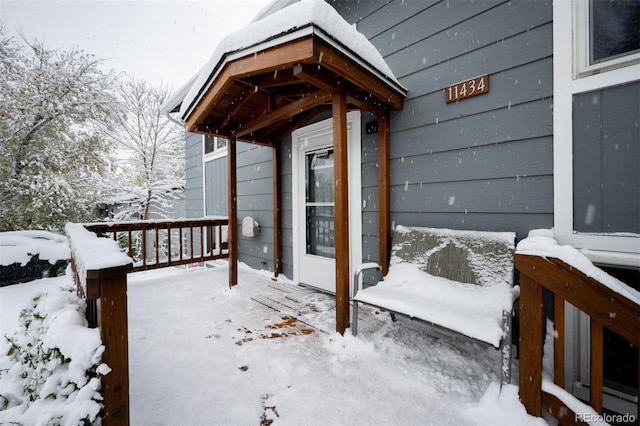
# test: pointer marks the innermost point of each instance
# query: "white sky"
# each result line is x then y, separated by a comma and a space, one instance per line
157, 40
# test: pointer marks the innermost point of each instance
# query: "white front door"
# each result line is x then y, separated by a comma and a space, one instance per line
313, 203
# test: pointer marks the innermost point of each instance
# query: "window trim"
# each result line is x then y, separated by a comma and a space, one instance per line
581, 37
615, 249
216, 153
604, 249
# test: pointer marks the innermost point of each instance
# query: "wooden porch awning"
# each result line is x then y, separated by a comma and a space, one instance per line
264, 93
311, 61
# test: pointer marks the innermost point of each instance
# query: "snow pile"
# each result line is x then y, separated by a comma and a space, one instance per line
21, 246
541, 242
296, 16
588, 414
51, 372
499, 407
489, 254
411, 289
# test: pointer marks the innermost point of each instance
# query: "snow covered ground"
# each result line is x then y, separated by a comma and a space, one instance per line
203, 354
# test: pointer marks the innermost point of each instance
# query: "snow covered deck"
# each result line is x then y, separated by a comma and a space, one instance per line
201, 353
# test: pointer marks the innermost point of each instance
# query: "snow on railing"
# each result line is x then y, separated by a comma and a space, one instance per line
570, 277
90, 253
159, 243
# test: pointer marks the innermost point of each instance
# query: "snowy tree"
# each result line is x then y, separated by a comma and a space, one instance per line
150, 176
50, 152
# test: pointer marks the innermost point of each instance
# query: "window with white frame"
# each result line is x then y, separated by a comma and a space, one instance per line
596, 117
606, 34
214, 147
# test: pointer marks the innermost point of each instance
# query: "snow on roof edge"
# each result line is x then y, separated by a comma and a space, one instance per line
175, 101
272, 7
203, 84
305, 13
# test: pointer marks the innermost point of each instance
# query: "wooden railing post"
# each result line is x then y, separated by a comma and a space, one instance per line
558, 346
112, 322
102, 281
605, 308
596, 362
531, 332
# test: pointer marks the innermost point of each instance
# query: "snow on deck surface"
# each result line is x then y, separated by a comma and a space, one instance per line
203, 354
293, 17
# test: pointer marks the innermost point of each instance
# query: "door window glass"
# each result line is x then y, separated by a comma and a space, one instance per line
319, 203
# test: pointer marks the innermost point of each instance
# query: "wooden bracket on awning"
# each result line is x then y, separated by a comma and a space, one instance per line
259, 93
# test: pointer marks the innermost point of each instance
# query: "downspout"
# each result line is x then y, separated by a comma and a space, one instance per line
168, 114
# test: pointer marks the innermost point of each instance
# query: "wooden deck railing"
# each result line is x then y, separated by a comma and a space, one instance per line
605, 307
100, 275
100, 271
160, 243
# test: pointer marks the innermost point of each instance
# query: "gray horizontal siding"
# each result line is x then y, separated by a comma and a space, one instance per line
521, 222
286, 213
356, 11
523, 83
255, 199
515, 51
519, 158
525, 121
499, 196
480, 163
216, 187
433, 18
369, 177
468, 40
193, 175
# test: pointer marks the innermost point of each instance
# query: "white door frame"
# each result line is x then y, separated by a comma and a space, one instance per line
299, 141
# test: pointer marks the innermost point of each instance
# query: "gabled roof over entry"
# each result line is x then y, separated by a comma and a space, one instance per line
277, 73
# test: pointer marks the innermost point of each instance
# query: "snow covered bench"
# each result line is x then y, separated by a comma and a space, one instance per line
460, 281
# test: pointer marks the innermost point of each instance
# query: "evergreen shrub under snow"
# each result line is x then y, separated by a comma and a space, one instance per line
51, 373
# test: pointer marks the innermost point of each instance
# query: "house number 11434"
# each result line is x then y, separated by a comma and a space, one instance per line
466, 89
